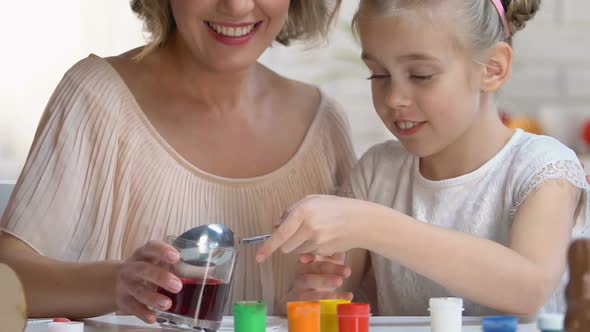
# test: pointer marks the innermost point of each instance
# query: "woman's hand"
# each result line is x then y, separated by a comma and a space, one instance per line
318, 278
322, 225
141, 275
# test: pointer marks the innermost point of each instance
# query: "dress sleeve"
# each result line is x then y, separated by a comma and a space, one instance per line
62, 201
338, 142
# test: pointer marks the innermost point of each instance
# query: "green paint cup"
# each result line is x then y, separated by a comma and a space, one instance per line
250, 316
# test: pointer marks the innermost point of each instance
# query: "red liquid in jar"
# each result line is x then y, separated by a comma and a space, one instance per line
186, 302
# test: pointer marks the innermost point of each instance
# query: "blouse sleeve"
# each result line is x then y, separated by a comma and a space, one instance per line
63, 197
547, 159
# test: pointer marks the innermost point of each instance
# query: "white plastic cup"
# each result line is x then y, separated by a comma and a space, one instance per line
446, 314
66, 327
550, 322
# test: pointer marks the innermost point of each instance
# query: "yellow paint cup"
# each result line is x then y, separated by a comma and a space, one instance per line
329, 318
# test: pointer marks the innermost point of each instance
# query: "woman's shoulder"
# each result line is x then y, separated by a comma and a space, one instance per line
314, 99
92, 72
295, 95
309, 101
128, 70
300, 97
88, 91
90, 84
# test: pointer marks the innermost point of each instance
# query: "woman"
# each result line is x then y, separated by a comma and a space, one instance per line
185, 131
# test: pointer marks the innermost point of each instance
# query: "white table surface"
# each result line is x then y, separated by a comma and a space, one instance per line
113, 323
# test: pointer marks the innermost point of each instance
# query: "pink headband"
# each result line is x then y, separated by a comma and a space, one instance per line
502, 12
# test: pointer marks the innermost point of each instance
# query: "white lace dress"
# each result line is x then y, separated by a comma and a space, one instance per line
481, 203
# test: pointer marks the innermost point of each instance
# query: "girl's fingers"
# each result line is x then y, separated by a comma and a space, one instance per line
280, 236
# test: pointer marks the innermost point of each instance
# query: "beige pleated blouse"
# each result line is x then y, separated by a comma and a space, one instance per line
99, 182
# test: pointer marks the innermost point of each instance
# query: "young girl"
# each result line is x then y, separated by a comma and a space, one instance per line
460, 205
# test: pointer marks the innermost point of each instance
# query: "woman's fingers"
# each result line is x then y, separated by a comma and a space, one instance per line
133, 307
318, 282
307, 258
137, 287
149, 296
145, 272
157, 251
336, 258
326, 268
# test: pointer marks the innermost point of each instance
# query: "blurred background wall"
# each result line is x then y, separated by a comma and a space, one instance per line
550, 87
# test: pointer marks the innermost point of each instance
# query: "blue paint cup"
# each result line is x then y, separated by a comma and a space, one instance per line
500, 324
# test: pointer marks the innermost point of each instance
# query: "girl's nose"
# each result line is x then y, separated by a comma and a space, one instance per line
397, 98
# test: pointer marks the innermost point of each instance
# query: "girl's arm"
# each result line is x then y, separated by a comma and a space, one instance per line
517, 279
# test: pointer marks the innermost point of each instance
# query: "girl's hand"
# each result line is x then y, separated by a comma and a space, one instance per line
140, 276
318, 278
322, 225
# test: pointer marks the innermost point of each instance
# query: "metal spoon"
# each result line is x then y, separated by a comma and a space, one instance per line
196, 244
254, 239
197, 248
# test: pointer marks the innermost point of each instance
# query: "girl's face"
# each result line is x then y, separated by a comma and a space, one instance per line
426, 90
229, 35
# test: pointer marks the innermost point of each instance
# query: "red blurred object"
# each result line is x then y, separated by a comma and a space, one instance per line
586, 132
505, 117
61, 320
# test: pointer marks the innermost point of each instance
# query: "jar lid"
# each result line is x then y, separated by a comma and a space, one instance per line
354, 309
304, 308
65, 327
500, 324
442, 303
552, 322
329, 306
250, 307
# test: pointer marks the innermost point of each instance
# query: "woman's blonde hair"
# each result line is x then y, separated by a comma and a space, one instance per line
485, 27
307, 20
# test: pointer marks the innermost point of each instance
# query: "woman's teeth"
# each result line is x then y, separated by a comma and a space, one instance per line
406, 124
231, 31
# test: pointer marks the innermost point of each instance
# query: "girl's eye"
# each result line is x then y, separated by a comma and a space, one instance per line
377, 77
422, 77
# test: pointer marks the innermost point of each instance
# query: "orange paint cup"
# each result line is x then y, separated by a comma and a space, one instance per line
304, 316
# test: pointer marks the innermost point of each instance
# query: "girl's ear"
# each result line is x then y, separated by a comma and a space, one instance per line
497, 68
